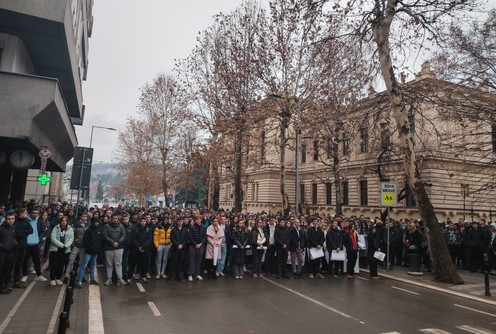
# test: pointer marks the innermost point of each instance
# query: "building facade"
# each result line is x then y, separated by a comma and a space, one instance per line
43, 60
455, 142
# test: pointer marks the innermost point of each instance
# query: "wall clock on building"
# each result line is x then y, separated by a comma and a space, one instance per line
21, 159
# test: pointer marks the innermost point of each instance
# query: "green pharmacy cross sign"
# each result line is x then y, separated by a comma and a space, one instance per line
44, 179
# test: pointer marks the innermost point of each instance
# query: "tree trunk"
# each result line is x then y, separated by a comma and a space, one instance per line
164, 178
337, 181
212, 174
282, 164
444, 270
238, 191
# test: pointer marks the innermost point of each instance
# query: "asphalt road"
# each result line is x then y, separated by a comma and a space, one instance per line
332, 305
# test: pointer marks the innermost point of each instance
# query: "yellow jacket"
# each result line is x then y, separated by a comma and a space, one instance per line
161, 236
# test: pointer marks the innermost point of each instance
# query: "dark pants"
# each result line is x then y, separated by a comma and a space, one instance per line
195, 259
372, 263
256, 261
476, 258
314, 266
352, 258
6, 266
455, 254
33, 251
282, 261
140, 262
271, 260
19, 254
176, 267
58, 260
125, 264
211, 269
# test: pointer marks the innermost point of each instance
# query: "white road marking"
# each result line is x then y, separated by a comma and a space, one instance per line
391, 333
314, 301
140, 287
95, 315
405, 290
475, 330
56, 311
433, 331
154, 309
21, 300
366, 279
475, 310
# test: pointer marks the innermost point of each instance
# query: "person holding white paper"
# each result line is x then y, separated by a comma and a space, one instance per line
315, 239
215, 235
334, 241
259, 241
375, 240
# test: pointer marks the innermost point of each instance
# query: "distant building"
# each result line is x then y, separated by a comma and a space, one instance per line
43, 60
455, 144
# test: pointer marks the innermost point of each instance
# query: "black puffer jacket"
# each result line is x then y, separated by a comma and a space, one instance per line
92, 239
7, 237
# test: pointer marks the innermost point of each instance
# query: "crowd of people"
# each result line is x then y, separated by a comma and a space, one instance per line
176, 244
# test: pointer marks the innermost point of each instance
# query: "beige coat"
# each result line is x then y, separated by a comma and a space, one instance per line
214, 238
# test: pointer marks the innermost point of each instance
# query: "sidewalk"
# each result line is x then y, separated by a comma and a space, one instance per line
36, 309
474, 287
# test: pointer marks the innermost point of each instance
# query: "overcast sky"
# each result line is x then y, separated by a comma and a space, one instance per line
132, 42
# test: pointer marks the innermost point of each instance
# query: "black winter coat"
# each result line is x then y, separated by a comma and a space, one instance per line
281, 236
315, 237
143, 237
296, 240
23, 228
7, 237
197, 234
239, 239
179, 237
92, 240
130, 235
334, 239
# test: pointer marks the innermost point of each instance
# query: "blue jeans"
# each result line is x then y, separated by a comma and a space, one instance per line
222, 261
91, 259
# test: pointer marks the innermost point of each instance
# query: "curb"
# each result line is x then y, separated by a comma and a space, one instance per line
435, 288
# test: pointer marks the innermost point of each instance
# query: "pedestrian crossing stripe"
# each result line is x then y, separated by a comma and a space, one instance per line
466, 328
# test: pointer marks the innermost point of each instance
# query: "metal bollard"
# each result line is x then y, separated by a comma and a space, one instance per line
63, 322
487, 269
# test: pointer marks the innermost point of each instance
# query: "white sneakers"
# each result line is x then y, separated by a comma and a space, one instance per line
24, 279
53, 283
164, 275
199, 278
59, 282
190, 278
40, 279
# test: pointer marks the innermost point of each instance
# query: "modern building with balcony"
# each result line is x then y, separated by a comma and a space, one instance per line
43, 61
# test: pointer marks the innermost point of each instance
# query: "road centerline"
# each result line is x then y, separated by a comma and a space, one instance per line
405, 290
332, 309
154, 309
474, 310
140, 287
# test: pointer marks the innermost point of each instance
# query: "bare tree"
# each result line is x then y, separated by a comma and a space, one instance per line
164, 108
388, 22
220, 74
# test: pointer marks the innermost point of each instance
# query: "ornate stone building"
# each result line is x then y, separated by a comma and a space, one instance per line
455, 142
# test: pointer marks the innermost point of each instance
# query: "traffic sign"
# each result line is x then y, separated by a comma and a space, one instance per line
388, 194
